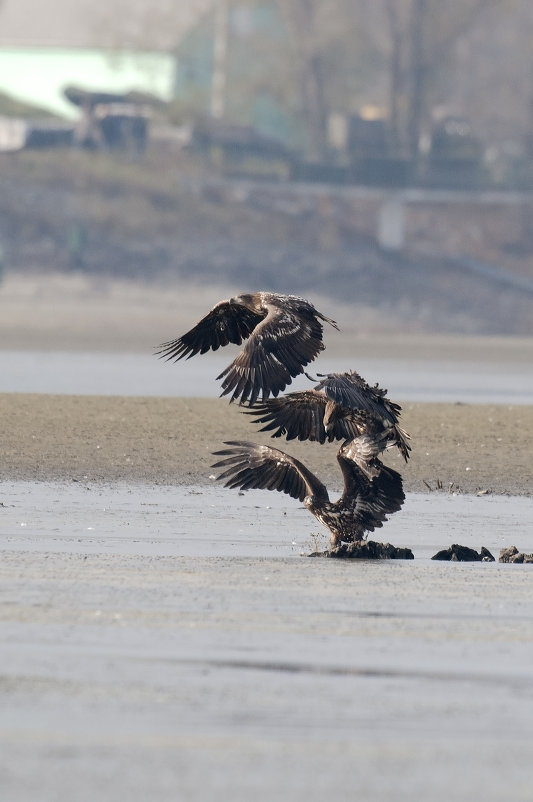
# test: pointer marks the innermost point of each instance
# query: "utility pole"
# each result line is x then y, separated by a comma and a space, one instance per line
418, 68
220, 57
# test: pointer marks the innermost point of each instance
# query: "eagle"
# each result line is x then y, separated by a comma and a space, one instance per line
342, 406
371, 490
283, 334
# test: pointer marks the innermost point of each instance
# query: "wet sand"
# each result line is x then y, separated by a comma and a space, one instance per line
172, 643
466, 448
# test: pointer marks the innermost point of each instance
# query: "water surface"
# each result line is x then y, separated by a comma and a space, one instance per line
145, 375
215, 521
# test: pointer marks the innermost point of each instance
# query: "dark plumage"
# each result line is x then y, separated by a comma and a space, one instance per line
371, 490
341, 407
283, 334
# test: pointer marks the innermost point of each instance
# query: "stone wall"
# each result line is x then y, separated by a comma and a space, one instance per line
496, 228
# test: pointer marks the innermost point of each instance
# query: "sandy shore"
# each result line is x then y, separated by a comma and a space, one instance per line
469, 448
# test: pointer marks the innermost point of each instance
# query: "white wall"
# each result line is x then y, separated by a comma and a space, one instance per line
38, 75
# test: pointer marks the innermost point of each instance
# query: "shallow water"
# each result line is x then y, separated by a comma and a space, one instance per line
217, 522
172, 643
143, 374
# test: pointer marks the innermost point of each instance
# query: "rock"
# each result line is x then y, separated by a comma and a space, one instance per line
463, 554
512, 555
366, 550
507, 554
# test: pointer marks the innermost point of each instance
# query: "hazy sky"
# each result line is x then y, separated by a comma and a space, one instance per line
75, 23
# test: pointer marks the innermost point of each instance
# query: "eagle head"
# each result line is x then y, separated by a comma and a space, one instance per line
249, 300
332, 414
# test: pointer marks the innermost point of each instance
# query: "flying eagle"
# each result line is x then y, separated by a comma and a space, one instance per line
371, 490
341, 407
283, 334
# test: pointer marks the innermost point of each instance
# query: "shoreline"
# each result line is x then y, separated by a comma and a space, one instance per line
78, 312
463, 448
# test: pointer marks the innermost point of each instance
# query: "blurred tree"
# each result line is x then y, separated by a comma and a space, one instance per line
305, 59
303, 18
333, 40
328, 58
525, 13
394, 14
418, 68
418, 40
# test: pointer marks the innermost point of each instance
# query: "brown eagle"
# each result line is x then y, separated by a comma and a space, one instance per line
283, 334
371, 490
342, 406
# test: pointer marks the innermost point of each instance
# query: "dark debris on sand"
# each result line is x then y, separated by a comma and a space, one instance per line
464, 554
372, 550
457, 553
366, 550
512, 555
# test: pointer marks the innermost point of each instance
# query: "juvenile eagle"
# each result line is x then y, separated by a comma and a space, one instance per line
283, 334
371, 490
341, 407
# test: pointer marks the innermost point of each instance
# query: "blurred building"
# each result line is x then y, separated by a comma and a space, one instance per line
118, 46
39, 75
253, 35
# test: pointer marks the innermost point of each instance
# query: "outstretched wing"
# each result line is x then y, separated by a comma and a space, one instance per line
361, 452
248, 465
401, 439
370, 499
289, 337
295, 415
225, 323
350, 390
386, 496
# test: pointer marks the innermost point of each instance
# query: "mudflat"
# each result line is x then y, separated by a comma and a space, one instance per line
461, 447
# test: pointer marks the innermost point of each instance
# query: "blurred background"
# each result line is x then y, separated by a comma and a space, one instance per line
372, 155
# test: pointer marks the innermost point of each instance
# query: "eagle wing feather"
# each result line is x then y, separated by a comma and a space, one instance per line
295, 415
371, 489
282, 344
225, 323
248, 465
